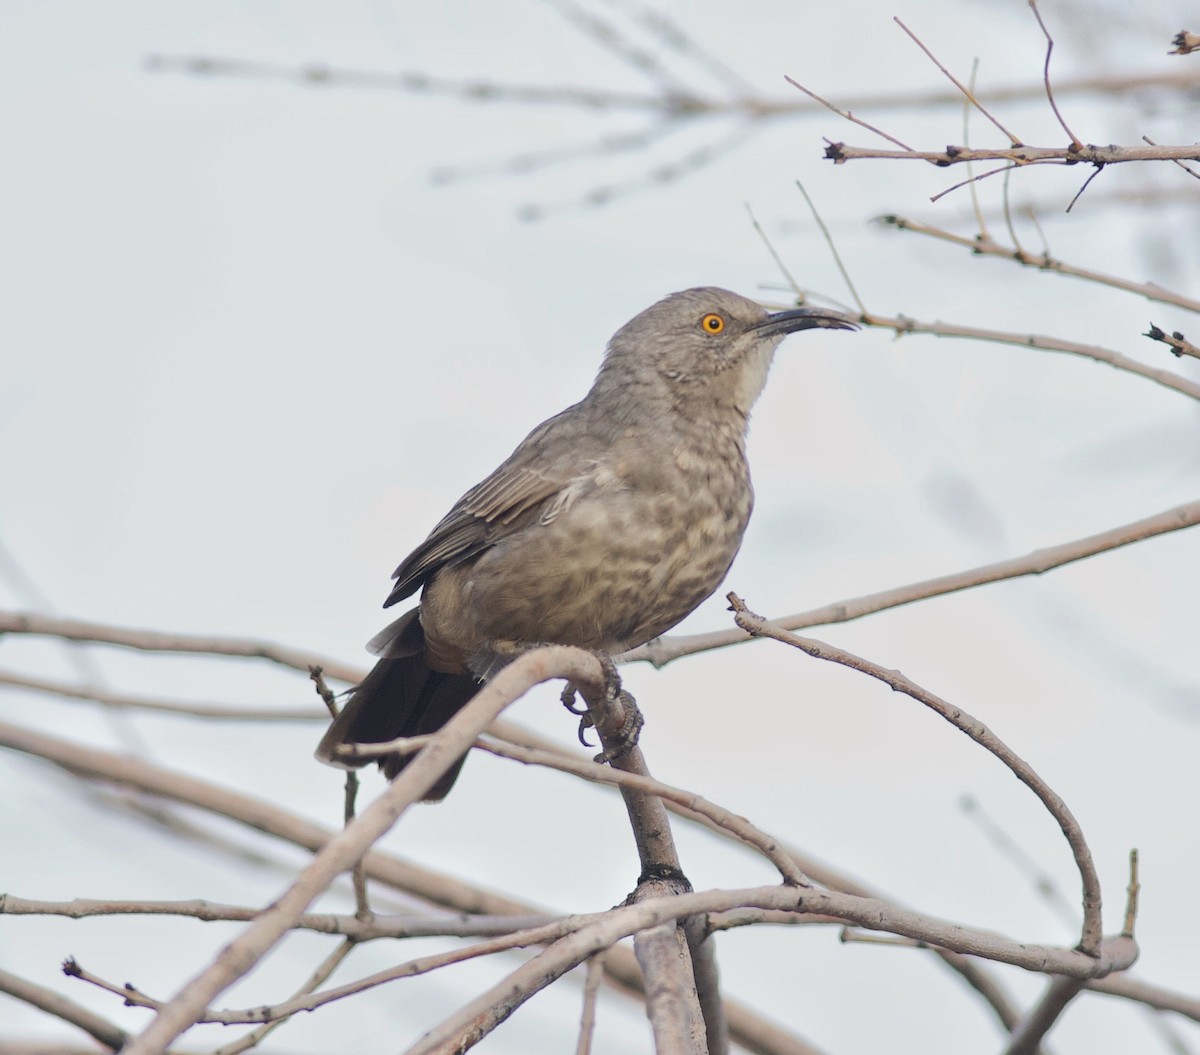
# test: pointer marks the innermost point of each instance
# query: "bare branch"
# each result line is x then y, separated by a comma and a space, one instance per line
837, 257
666, 649
967, 93
155, 641
1180, 345
846, 114
739, 827
431, 886
1075, 144
1090, 939
1186, 168
983, 245
587, 1021
1132, 892
1088, 153
1186, 1004
317, 75
63, 1008
903, 325
456, 925
747, 1027
340, 853
217, 711
1027, 1037
322, 972
467, 1026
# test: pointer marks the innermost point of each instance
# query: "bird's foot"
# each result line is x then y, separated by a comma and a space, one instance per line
624, 739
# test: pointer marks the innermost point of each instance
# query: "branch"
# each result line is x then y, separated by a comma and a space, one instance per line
1026, 1038
318, 75
219, 711
1089, 154
666, 649
747, 1027
307, 1001
456, 925
682, 1025
61, 1007
1180, 345
738, 827
1090, 939
903, 325
983, 245
341, 852
474, 1021
155, 641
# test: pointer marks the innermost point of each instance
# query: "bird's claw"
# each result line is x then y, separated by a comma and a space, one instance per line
585, 719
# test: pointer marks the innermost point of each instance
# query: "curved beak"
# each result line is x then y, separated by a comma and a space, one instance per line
789, 321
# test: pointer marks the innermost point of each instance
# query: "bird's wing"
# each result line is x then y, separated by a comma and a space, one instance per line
523, 483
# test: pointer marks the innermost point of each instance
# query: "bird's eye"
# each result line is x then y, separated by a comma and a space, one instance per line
712, 323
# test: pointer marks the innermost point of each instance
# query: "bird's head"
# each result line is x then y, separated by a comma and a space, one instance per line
707, 346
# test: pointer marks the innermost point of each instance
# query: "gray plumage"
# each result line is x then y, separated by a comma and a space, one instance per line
607, 525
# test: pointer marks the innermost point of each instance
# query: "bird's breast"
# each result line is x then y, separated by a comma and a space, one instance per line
632, 548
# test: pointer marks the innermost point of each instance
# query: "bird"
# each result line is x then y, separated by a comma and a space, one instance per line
609, 523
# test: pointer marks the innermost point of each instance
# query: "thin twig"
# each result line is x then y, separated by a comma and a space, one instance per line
61, 1007
783, 268
1132, 893
1180, 345
1041, 881
1086, 183
1091, 154
670, 34
156, 641
473, 90
318, 977
587, 1020
846, 114
983, 245
976, 177
967, 93
901, 325
976, 208
175, 708
1186, 168
456, 925
837, 257
739, 827
1075, 143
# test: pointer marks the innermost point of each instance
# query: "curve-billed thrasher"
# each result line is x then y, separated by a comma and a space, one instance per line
605, 527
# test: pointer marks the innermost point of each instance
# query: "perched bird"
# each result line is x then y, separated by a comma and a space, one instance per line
607, 525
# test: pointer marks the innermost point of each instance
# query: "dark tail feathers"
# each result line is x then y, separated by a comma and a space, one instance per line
400, 697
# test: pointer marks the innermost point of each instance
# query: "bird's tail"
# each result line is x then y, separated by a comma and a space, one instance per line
400, 697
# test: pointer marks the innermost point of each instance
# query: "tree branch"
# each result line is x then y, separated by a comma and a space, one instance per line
667, 649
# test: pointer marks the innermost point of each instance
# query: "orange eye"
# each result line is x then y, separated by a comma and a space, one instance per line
712, 323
